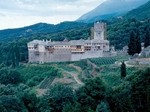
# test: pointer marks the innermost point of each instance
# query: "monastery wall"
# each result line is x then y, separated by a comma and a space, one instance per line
62, 55
59, 55
32, 57
88, 54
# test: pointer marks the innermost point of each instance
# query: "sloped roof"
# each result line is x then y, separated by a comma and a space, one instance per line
146, 49
77, 42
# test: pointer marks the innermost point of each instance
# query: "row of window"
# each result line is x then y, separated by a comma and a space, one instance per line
96, 44
62, 46
78, 47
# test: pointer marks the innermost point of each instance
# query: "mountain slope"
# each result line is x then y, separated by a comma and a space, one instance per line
111, 8
40, 28
140, 13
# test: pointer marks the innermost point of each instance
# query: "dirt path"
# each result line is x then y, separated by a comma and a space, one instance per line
76, 78
93, 64
41, 92
95, 68
76, 67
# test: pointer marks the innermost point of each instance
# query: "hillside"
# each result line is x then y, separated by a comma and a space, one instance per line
111, 8
141, 12
71, 86
40, 28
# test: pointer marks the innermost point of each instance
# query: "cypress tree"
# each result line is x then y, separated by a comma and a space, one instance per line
13, 59
138, 43
17, 54
123, 70
147, 38
132, 43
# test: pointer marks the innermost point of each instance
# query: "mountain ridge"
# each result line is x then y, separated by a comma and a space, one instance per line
39, 28
104, 10
140, 13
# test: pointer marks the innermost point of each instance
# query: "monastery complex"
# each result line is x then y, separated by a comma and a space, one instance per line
44, 51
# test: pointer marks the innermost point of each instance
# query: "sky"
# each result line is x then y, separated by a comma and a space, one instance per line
19, 13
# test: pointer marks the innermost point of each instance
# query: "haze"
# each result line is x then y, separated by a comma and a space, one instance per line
19, 13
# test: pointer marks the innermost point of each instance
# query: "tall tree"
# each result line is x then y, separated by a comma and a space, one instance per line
17, 54
11, 103
134, 43
147, 38
138, 43
123, 70
93, 91
58, 96
140, 86
13, 57
13, 60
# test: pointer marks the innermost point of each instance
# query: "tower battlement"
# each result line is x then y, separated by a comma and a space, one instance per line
98, 31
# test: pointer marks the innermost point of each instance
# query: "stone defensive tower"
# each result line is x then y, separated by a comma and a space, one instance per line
98, 32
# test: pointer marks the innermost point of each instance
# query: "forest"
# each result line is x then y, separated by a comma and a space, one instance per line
17, 91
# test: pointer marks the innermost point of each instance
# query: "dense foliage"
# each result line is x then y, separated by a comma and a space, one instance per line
12, 53
57, 98
94, 96
134, 43
8, 76
119, 31
147, 37
140, 13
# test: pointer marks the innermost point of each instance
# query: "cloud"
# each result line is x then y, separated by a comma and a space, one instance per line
52, 11
2, 15
47, 7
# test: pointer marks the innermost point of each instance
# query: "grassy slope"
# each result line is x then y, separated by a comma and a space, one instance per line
109, 72
34, 74
111, 75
